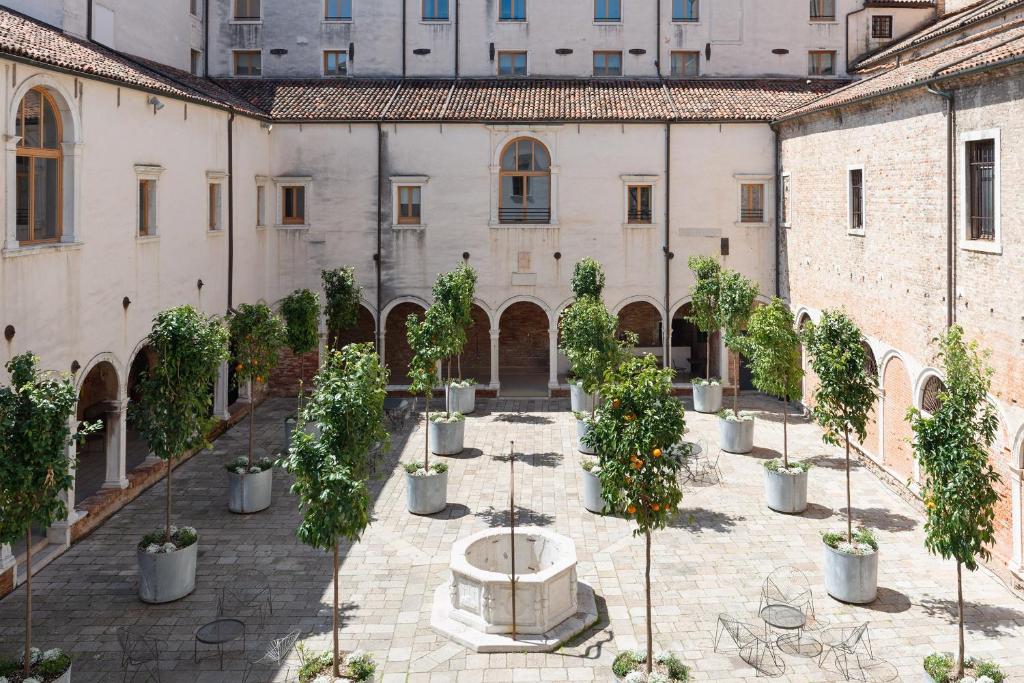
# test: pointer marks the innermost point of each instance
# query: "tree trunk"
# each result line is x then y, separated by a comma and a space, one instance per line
647, 586
960, 619
167, 520
28, 601
334, 614
849, 505
785, 435
426, 431
302, 377
459, 359
707, 360
252, 422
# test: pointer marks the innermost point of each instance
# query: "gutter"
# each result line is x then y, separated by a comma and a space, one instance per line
405, 21
666, 336
458, 19
657, 52
88, 20
777, 170
206, 38
231, 209
950, 222
379, 256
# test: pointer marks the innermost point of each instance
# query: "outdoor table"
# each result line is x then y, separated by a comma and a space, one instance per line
688, 452
219, 633
789, 618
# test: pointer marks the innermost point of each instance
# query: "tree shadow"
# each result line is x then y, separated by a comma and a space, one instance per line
884, 520
464, 454
525, 516
834, 462
523, 418
815, 511
699, 520
992, 621
759, 453
532, 459
889, 601
453, 511
591, 650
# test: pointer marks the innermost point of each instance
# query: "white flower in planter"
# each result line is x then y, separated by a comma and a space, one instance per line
32, 680
189, 530
240, 470
354, 656
168, 548
984, 679
35, 654
323, 679
636, 677
153, 548
255, 470
53, 654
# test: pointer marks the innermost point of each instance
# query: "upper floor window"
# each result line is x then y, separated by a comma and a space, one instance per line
147, 207
39, 166
981, 190
607, 63
881, 27
213, 206
685, 10
335, 63
821, 63
525, 181
435, 10
247, 10
786, 199
410, 205
511, 63
823, 10
248, 63
607, 10
512, 10
856, 201
293, 205
752, 203
685, 63
639, 209
261, 205
195, 62
194, 7
338, 10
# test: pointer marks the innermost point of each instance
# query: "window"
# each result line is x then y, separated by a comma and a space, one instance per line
685, 10
821, 63
248, 63
823, 10
881, 27
39, 168
525, 180
639, 210
752, 203
511, 63
213, 222
856, 198
981, 190
335, 63
685, 63
607, 10
409, 207
293, 205
196, 62
785, 199
932, 395
193, 7
435, 10
147, 207
607, 63
338, 10
247, 10
512, 10
261, 206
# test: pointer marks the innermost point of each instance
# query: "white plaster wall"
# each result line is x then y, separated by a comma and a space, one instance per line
904, 22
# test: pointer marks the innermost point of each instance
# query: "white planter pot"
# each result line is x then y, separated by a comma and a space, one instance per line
462, 399
249, 492
737, 436
851, 578
426, 495
925, 676
166, 577
785, 492
582, 427
447, 438
707, 398
581, 401
591, 493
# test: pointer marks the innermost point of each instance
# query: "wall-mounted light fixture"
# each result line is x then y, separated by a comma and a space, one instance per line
75, 366
199, 283
558, 255
465, 256
126, 302
155, 103
9, 332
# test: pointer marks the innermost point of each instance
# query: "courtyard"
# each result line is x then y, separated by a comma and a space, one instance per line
712, 560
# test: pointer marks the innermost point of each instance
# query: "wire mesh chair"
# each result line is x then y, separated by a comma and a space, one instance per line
277, 654
711, 473
138, 650
756, 651
789, 586
844, 642
251, 592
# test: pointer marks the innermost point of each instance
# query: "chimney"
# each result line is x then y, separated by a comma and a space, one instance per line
940, 8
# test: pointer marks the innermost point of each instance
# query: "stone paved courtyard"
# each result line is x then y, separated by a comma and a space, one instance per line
712, 560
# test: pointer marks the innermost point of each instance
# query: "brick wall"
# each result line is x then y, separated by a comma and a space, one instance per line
284, 380
523, 347
397, 353
644, 320
476, 355
898, 454
363, 332
6, 582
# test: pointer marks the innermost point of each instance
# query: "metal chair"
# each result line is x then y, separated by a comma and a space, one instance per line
278, 651
788, 586
756, 651
711, 472
843, 642
138, 650
251, 592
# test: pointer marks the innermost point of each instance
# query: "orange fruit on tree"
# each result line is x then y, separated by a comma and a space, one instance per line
631, 509
655, 507
656, 452
616, 403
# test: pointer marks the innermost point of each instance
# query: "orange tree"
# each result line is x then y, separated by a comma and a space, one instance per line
257, 337
301, 313
637, 425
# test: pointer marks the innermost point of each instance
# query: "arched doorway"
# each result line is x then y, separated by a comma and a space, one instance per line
136, 448
524, 354
476, 355
99, 454
897, 398
644, 320
690, 349
365, 331
870, 444
397, 353
810, 379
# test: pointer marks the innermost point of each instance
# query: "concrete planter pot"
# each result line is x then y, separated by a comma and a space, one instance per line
590, 491
737, 436
249, 492
785, 492
925, 676
582, 427
851, 578
447, 438
426, 494
707, 398
462, 399
166, 577
582, 402
65, 677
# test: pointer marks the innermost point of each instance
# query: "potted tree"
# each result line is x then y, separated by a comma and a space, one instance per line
426, 486
257, 337
844, 398
736, 303
959, 482
455, 291
301, 313
34, 470
773, 346
341, 301
587, 284
173, 416
331, 470
638, 420
704, 314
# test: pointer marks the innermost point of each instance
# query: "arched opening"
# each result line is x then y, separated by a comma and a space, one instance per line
644, 320
525, 183
364, 331
136, 448
930, 394
810, 379
397, 353
99, 454
897, 435
690, 356
39, 169
476, 355
870, 444
524, 357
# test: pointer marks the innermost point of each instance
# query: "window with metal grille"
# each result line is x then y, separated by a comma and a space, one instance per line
640, 204
511, 63
607, 63
512, 10
823, 10
856, 199
525, 180
338, 10
213, 206
752, 203
247, 10
685, 63
607, 10
981, 184
881, 27
685, 10
435, 10
930, 399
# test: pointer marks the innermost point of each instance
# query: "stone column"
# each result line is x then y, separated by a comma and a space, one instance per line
245, 392
116, 446
1017, 502
8, 570
495, 348
553, 355
220, 394
383, 358
60, 532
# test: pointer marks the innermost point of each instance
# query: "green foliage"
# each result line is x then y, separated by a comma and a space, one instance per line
674, 667
314, 665
301, 313
773, 347
416, 468
735, 304
330, 469
625, 662
454, 291
257, 337
429, 340
341, 294
705, 293
588, 340
777, 465
360, 668
587, 278
638, 422
9, 666
181, 538
940, 666
863, 537
990, 669
588, 464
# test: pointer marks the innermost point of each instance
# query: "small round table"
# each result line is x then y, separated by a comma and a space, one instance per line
219, 633
789, 618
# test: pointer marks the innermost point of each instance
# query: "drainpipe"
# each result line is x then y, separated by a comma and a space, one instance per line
657, 51
666, 334
231, 208
404, 22
206, 38
950, 222
88, 20
458, 19
778, 209
379, 257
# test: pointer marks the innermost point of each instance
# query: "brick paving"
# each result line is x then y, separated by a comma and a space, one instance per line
712, 560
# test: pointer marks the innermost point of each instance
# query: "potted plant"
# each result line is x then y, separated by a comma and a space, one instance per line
341, 301
354, 666
630, 666
638, 419
257, 337
773, 347
939, 667
591, 489
705, 315
736, 304
454, 291
587, 283
426, 488
301, 313
34, 470
331, 470
959, 482
845, 396
173, 416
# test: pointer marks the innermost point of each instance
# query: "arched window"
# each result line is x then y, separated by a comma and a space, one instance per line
930, 400
525, 183
39, 169
870, 364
